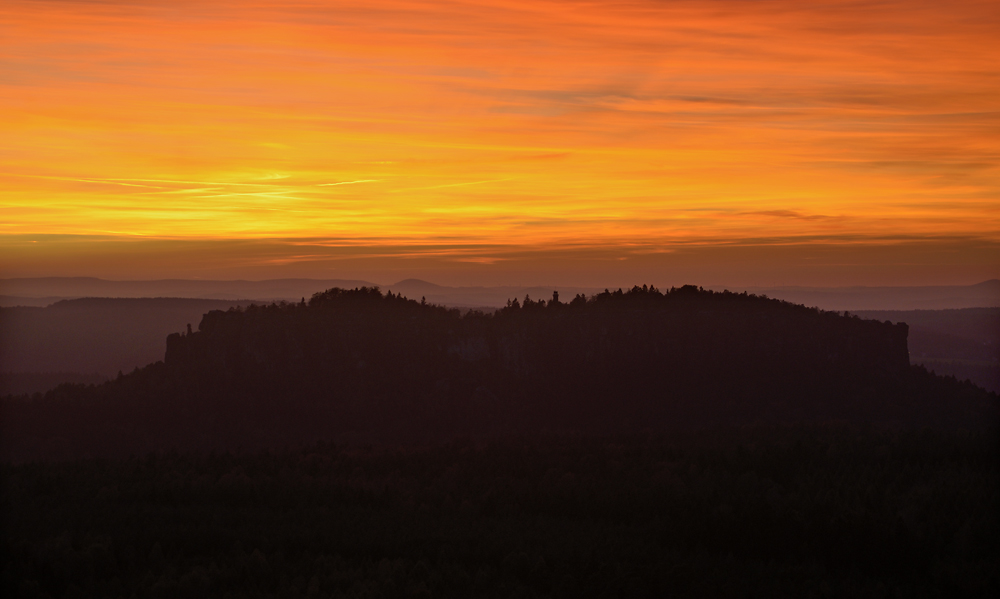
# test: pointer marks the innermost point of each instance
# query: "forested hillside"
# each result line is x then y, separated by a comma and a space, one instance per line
747, 512
359, 364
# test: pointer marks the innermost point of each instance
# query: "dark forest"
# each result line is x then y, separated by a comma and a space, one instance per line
634, 443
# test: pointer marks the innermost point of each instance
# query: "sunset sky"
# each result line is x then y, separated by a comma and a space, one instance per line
588, 143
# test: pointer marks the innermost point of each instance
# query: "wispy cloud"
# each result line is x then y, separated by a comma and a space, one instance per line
348, 182
786, 214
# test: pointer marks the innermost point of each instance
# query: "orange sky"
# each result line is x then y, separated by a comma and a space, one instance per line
494, 142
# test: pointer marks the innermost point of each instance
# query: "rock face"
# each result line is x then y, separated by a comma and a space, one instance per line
383, 367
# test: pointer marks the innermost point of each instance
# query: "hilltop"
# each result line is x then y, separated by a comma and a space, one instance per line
360, 364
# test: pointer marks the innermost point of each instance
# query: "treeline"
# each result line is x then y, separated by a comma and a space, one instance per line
360, 364
744, 512
29, 383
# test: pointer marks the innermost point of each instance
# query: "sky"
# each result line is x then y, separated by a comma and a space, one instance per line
502, 142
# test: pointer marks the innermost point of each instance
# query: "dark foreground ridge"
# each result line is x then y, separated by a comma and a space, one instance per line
360, 365
766, 512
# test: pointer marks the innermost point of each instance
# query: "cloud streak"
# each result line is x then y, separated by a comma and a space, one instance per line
348, 182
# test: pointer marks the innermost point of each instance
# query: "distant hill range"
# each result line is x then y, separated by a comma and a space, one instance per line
363, 365
961, 343
45, 291
90, 336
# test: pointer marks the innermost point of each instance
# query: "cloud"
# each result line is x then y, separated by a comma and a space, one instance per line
348, 182
786, 214
535, 124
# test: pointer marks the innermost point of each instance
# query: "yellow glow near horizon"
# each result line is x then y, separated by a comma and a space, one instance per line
521, 124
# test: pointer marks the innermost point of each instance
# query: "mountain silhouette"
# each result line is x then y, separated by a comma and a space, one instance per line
361, 364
